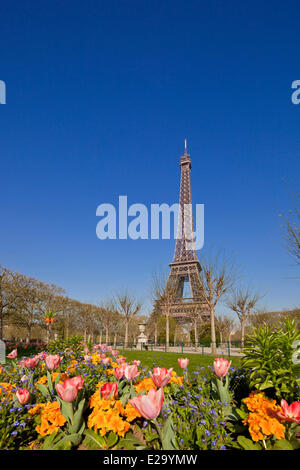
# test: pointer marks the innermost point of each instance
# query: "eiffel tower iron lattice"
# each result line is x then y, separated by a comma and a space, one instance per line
185, 267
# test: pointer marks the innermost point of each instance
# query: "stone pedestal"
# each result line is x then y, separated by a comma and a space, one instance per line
142, 340
2, 352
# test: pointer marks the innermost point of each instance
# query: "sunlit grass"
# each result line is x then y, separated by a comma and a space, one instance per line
170, 359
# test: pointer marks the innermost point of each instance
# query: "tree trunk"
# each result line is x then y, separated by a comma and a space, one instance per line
242, 332
67, 330
167, 332
106, 334
1, 327
196, 333
155, 334
126, 335
115, 340
175, 335
213, 331
28, 333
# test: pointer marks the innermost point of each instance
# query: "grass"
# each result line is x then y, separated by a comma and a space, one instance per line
169, 359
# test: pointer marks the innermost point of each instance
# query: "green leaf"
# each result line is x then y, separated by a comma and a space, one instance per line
266, 384
78, 422
282, 444
94, 441
168, 436
130, 442
48, 441
57, 379
247, 444
49, 380
43, 389
65, 410
67, 442
112, 439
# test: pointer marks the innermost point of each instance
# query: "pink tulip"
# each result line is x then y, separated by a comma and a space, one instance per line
149, 406
52, 361
108, 390
136, 362
183, 363
290, 412
42, 355
13, 354
23, 396
106, 361
68, 390
86, 350
131, 372
87, 357
76, 382
161, 376
221, 366
119, 373
114, 352
30, 363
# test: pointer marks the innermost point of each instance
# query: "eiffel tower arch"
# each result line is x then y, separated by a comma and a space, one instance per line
185, 268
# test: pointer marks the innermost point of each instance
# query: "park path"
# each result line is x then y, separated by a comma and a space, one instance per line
200, 350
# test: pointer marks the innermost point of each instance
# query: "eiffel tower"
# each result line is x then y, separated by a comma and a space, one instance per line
185, 267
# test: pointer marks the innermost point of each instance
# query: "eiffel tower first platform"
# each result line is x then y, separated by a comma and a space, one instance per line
185, 267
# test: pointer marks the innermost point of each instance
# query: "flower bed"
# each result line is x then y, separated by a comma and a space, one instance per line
92, 398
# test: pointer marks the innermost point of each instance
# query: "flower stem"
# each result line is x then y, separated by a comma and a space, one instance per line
158, 429
72, 413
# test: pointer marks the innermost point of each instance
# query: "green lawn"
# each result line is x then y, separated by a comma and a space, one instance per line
170, 359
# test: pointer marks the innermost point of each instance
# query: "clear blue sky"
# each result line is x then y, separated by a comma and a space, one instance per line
100, 96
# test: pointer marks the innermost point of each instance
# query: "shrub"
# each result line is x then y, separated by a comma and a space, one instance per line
268, 360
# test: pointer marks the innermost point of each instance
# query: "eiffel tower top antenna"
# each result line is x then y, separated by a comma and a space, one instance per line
185, 150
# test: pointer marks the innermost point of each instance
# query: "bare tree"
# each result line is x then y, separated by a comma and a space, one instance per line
218, 277
291, 226
29, 312
128, 307
243, 302
107, 317
166, 294
9, 294
225, 326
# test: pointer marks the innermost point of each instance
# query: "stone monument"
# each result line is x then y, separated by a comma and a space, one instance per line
142, 340
2, 352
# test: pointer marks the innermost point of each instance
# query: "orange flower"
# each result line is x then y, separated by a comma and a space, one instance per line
108, 415
51, 417
6, 390
263, 420
131, 413
145, 384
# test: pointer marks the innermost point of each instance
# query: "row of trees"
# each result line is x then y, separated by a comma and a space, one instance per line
26, 301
